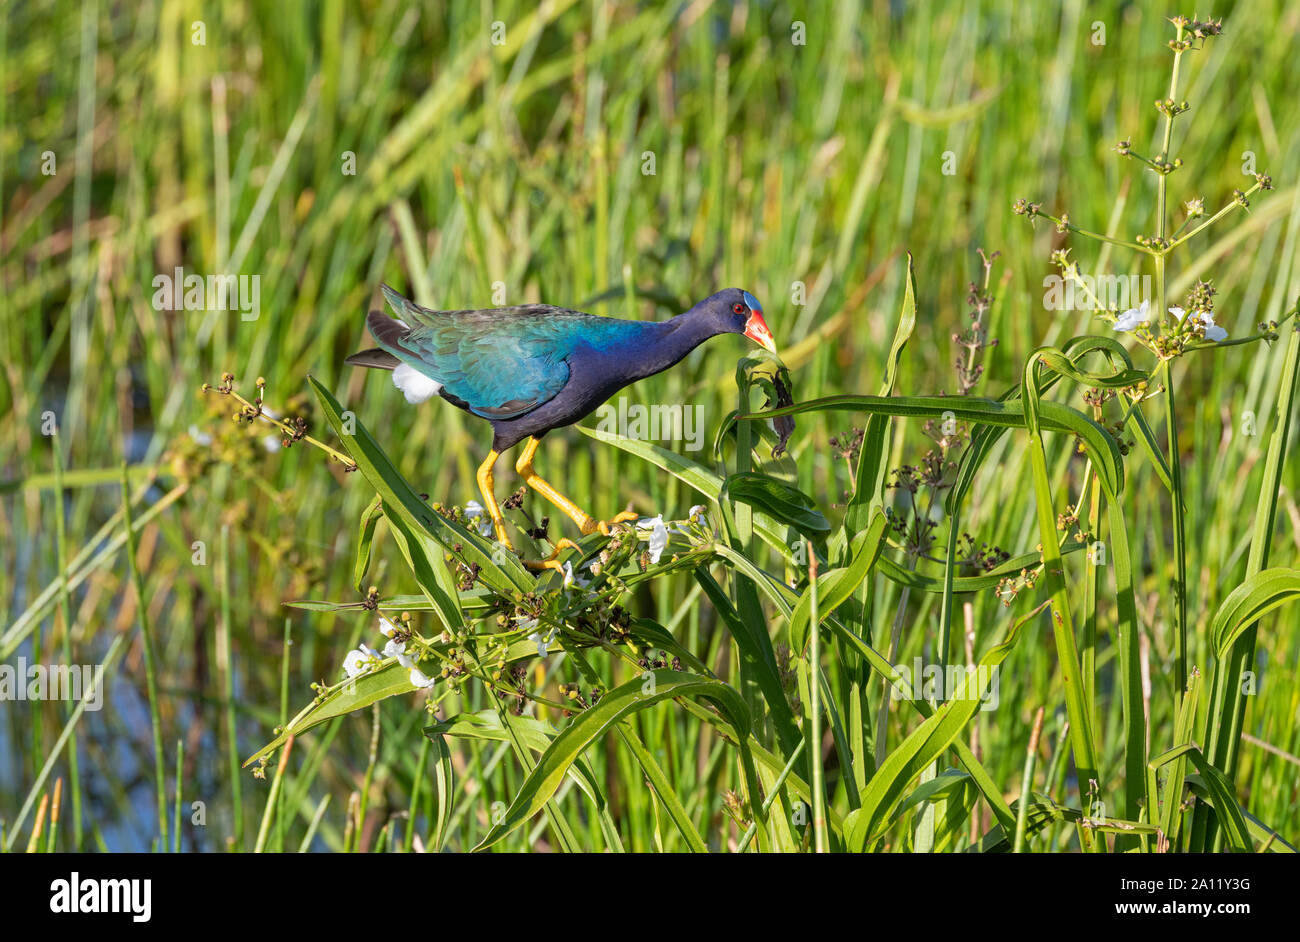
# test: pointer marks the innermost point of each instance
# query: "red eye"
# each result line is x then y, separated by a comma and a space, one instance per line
738, 308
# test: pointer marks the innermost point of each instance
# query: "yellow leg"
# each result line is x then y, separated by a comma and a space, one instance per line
489, 499
485, 485
586, 523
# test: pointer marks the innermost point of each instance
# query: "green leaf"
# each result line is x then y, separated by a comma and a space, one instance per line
498, 568
704, 480
590, 724
924, 745
785, 599
1077, 706
779, 500
365, 538
1248, 602
388, 680
1129, 679
869, 476
1267, 839
1226, 807
657, 636
939, 786
1171, 805
983, 439
1225, 719
485, 725
1042, 811
837, 585
474, 603
663, 790
754, 647
442, 784
424, 555
1098, 443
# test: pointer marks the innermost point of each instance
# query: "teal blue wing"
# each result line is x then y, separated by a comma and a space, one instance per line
500, 363
494, 369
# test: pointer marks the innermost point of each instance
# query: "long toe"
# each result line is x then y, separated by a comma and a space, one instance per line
539, 565
552, 561
625, 516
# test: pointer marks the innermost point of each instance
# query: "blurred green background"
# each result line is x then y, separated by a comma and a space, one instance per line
798, 150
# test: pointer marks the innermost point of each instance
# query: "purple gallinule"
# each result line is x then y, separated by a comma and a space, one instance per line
532, 368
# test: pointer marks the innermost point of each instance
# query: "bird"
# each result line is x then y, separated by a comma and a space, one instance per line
532, 368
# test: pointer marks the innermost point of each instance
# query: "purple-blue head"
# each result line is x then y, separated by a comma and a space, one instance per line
738, 312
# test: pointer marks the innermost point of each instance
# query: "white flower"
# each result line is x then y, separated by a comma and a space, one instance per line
698, 510
271, 443
658, 535
1212, 330
394, 648
358, 661
474, 511
397, 650
536, 637
418, 679
658, 543
201, 438
570, 579
542, 641
1133, 317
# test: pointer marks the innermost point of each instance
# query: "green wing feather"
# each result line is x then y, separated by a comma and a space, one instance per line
501, 363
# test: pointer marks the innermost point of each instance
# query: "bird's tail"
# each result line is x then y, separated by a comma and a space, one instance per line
374, 358
388, 332
405, 307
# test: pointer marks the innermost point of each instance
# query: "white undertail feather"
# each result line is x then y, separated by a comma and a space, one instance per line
415, 385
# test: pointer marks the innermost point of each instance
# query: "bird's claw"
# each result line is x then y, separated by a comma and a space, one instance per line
603, 526
552, 561
588, 527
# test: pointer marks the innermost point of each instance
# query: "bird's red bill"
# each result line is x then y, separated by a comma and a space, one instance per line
756, 330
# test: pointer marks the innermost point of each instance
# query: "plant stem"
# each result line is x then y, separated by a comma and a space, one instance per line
1210, 221
1088, 233
228, 680
1226, 716
815, 719
1162, 178
1027, 783
1171, 423
273, 798
150, 671
65, 612
176, 814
